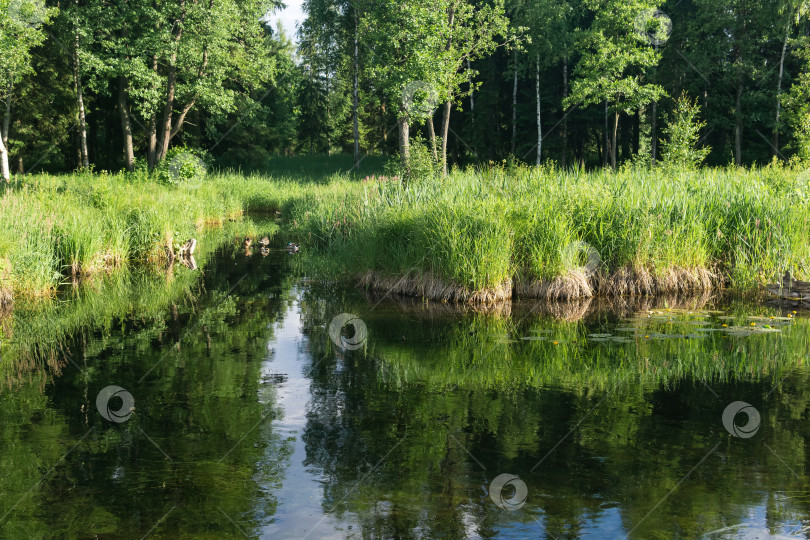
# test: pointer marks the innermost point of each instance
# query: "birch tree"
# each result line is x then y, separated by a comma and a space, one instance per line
404, 39
21, 29
794, 11
614, 57
470, 31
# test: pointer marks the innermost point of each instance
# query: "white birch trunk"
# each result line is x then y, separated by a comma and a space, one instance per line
4, 171
565, 113
472, 93
539, 117
779, 92
355, 120
514, 104
85, 159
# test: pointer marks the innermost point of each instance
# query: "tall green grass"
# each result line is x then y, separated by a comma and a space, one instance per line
476, 228
55, 227
480, 227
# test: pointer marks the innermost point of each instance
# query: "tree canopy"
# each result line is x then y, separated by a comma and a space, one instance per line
114, 84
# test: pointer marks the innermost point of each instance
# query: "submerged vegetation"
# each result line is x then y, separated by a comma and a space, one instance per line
478, 235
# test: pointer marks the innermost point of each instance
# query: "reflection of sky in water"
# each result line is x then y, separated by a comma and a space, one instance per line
753, 527
444, 399
300, 496
300, 508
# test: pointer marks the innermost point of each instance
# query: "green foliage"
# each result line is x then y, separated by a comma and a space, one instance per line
614, 58
797, 105
680, 148
184, 166
422, 166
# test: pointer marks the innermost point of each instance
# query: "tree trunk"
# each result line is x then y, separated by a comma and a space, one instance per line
165, 128
445, 131
77, 82
626, 134
6, 121
738, 123
151, 155
779, 92
165, 132
472, 93
20, 168
654, 132
451, 15
126, 126
636, 132
514, 103
607, 138
4, 171
355, 120
151, 151
539, 117
614, 141
565, 113
432, 134
328, 119
384, 130
404, 146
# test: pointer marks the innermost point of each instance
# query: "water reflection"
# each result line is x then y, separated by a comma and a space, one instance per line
250, 420
610, 438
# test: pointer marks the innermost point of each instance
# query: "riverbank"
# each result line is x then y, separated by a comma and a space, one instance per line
477, 236
498, 233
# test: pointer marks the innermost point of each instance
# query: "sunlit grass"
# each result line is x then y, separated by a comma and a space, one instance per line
476, 229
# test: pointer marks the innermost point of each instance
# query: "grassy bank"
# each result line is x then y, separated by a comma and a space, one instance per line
53, 229
478, 235
492, 233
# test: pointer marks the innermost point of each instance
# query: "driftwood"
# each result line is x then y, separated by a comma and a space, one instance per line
185, 254
189, 262
187, 249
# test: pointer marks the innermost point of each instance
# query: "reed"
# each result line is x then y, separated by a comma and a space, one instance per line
479, 235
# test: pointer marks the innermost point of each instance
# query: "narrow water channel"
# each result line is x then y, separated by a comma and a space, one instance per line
239, 401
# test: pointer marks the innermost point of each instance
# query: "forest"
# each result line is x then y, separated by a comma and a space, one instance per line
463, 269
466, 151
92, 85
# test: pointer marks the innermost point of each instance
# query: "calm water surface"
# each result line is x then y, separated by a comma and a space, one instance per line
251, 420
